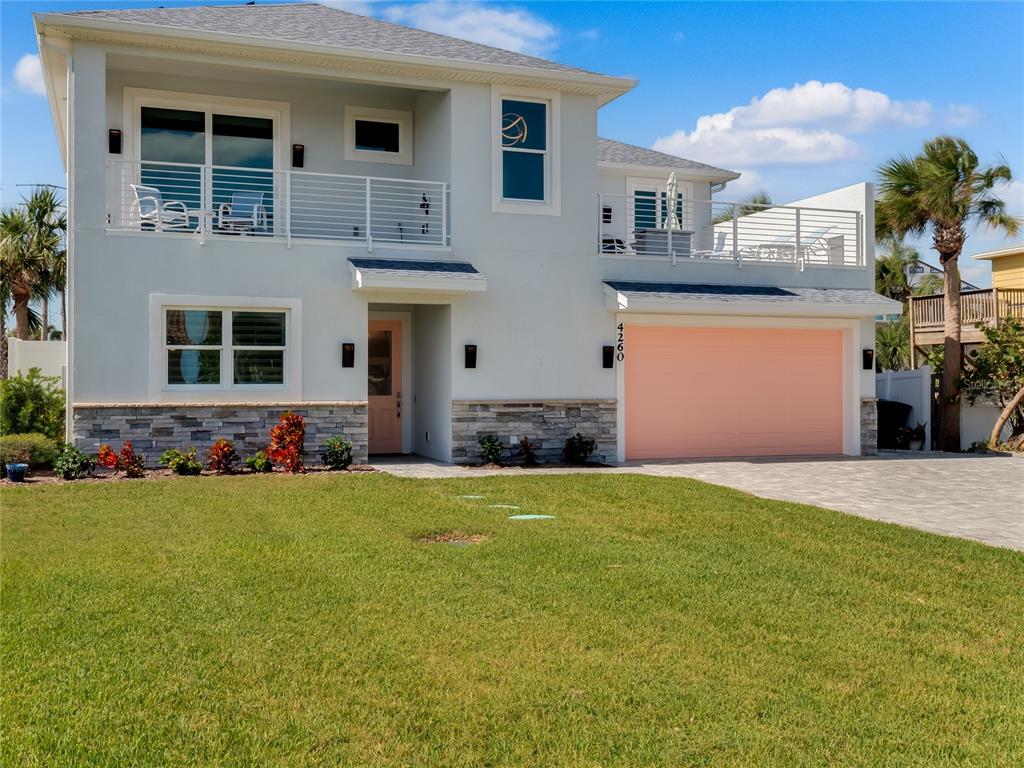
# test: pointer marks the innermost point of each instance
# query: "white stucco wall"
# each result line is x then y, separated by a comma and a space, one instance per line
431, 380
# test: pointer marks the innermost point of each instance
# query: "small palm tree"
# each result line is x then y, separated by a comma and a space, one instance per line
892, 345
49, 227
753, 204
942, 189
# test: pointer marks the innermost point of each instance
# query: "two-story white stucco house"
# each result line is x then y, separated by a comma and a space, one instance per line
415, 241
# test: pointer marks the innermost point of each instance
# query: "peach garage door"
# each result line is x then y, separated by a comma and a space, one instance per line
693, 392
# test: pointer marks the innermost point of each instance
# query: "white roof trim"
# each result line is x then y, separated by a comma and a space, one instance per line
663, 170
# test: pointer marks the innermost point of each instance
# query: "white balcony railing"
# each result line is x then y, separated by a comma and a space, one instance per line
213, 200
643, 227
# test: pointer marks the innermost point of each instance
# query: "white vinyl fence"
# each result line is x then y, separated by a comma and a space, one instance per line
913, 388
48, 356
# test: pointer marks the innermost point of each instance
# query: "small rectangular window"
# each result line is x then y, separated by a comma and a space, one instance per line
375, 136
258, 341
194, 344
378, 135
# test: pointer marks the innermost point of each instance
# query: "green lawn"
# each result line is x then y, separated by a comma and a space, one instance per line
256, 621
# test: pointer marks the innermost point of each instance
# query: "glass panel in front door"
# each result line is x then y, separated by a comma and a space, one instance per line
379, 364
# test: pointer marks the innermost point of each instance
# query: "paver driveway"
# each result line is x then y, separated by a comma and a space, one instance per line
972, 496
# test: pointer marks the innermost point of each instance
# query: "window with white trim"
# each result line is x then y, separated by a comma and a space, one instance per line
225, 348
524, 150
378, 135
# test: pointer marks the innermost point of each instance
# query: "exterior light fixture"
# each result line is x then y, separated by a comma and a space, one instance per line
608, 357
868, 359
114, 141
348, 354
298, 155
471, 355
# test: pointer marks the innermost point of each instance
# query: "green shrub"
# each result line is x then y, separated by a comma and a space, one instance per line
73, 464
259, 462
33, 449
490, 449
32, 404
181, 463
337, 453
578, 449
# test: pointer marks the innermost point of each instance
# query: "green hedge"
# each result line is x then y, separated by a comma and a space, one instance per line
32, 403
34, 449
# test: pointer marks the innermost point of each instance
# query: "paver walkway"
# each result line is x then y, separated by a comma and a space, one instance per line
971, 496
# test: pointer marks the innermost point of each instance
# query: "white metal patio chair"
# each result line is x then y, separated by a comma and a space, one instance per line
245, 213
152, 210
781, 248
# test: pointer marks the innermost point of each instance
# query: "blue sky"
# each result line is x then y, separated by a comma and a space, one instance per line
801, 97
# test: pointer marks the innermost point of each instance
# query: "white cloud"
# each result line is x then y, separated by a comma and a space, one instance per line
28, 74
805, 124
834, 105
962, 114
749, 183
589, 34
722, 144
515, 30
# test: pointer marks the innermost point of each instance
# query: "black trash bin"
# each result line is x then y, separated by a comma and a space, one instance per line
892, 417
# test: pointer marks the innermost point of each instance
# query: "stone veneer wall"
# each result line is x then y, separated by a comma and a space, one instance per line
546, 423
153, 428
868, 426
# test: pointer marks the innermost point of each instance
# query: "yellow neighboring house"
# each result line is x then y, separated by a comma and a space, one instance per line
1007, 266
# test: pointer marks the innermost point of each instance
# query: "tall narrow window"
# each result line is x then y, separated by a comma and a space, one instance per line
524, 150
172, 142
194, 344
258, 344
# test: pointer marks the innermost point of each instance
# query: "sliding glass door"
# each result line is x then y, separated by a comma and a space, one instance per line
236, 194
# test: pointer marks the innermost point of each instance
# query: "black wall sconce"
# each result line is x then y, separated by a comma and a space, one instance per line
471, 355
608, 357
348, 354
298, 155
114, 141
868, 359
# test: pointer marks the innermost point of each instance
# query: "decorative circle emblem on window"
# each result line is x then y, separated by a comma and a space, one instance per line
513, 129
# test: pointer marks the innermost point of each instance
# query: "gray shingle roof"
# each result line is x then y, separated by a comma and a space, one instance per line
313, 23
611, 151
745, 293
416, 268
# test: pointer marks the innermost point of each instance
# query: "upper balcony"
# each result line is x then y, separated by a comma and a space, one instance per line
988, 306
642, 227
220, 201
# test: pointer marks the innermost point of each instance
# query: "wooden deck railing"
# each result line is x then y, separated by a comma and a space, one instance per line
992, 305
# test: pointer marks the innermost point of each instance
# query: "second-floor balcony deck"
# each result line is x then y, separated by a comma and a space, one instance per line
294, 205
643, 227
989, 306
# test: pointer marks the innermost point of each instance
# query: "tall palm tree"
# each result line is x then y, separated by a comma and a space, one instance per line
942, 189
49, 229
20, 264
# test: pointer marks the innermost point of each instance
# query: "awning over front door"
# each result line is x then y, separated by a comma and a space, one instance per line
415, 275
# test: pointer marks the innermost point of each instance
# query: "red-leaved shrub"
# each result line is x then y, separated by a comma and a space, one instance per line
286, 439
126, 460
221, 457
106, 457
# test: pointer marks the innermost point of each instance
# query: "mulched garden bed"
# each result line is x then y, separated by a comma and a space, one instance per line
101, 475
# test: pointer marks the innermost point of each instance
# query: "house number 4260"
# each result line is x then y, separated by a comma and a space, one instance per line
620, 347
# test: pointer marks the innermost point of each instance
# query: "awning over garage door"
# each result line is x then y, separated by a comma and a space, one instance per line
764, 300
